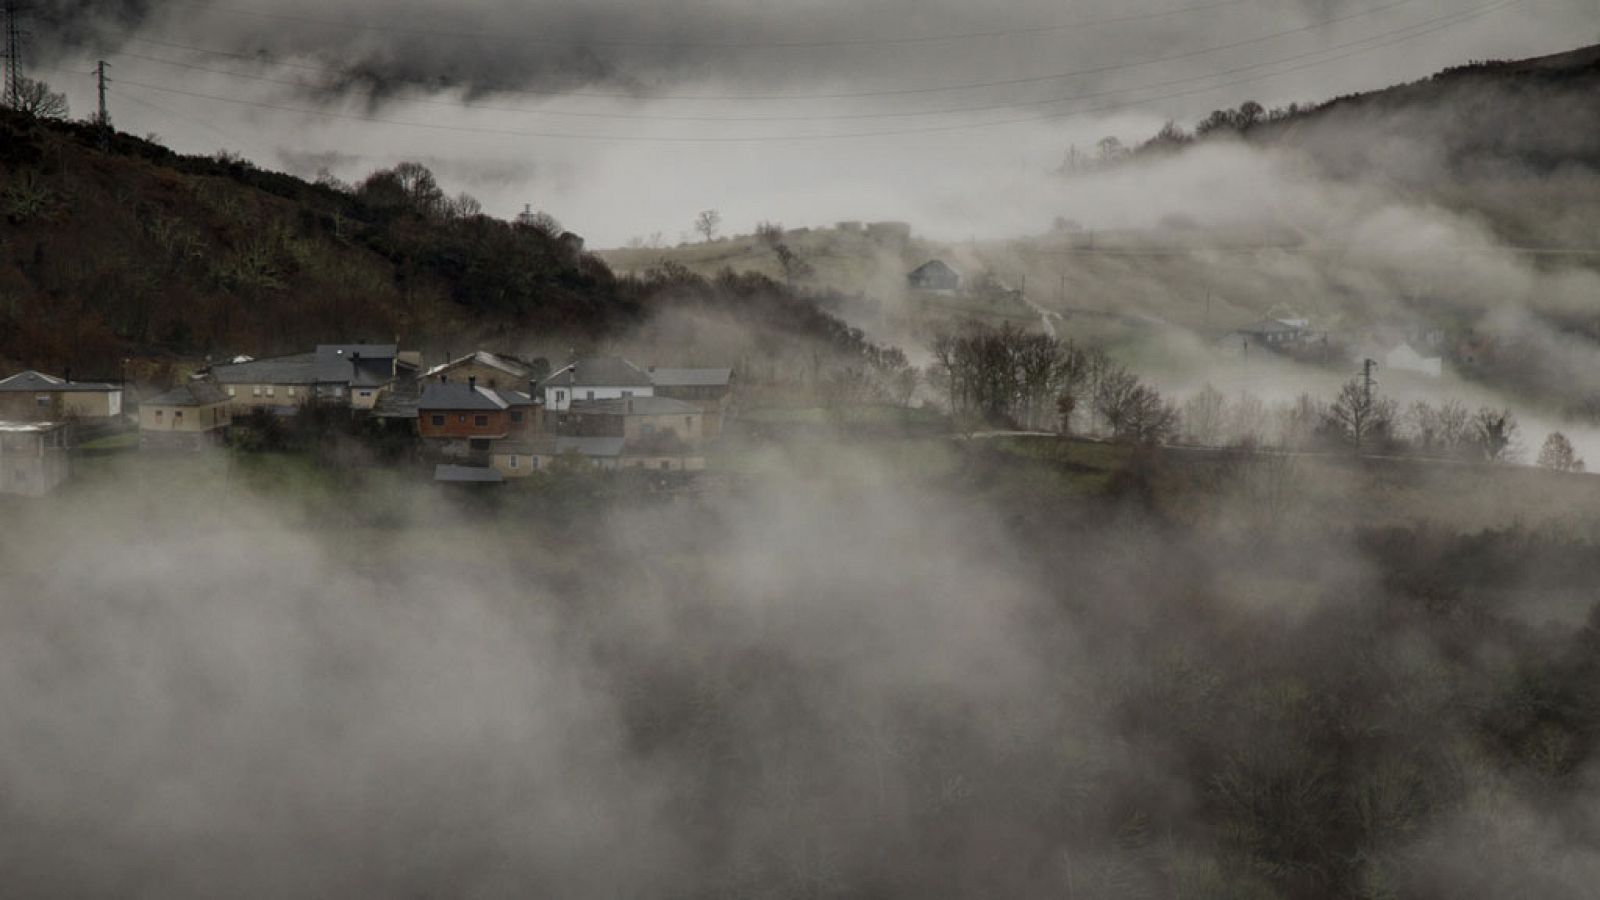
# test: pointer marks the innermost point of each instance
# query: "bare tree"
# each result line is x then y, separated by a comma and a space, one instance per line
1557, 454
35, 97
1359, 416
794, 267
1494, 433
707, 223
1204, 416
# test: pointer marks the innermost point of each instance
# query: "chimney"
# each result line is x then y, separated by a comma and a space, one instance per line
472, 382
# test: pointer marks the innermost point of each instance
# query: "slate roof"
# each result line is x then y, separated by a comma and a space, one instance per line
466, 474
195, 393
600, 371
457, 396
512, 367
328, 364
674, 377
635, 406
32, 381
933, 269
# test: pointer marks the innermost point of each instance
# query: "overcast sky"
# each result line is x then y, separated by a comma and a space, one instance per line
625, 117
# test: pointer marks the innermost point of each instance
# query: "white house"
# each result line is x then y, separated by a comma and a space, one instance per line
1405, 358
596, 378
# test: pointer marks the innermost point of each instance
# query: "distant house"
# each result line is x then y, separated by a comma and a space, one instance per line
709, 389
520, 459
468, 417
934, 275
637, 419
354, 375
33, 457
34, 396
1404, 357
595, 378
189, 417
491, 369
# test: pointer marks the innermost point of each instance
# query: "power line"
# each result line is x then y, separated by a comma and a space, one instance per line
900, 92
1479, 12
1450, 19
721, 45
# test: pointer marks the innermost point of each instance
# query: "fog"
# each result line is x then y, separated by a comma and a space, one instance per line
613, 90
840, 678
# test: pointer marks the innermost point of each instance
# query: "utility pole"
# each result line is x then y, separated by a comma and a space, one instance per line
1366, 380
13, 52
103, 120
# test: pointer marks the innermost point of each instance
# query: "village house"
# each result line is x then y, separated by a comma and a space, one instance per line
191, 416
34, 396
595, 378
353, 375
520, 459
934, 276
636, 419
709, 389
491, 369
33, 457
465, 418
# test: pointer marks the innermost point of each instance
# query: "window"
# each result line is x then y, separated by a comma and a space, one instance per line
438, 421
291, 392
480, 421
627, 394
666, 464
366, 395
177, 415
513, 461
516, 416
688, 423
590, 395
158, 415
338, 392
255, 390
271, 391
232, 392
42, 401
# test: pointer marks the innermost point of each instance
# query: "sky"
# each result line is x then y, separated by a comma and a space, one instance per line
625, 118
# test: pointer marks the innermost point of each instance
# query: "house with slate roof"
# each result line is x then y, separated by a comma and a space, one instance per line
353, 375
191, 416
34, 396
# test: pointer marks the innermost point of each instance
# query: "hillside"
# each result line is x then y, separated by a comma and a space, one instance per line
139, 253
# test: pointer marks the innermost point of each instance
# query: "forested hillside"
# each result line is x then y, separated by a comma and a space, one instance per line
135, 251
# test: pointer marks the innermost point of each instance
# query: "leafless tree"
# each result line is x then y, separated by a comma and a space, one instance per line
1494, 433
1205, 416
1359, 416
35, 97
707, 223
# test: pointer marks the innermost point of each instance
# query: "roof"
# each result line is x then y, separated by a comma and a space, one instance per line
466, 474
506, 364
29, 427
635, 406
1271, 326
600, 371
933, 266
328, 364
195, 393
298, 368
670, 377
454, 396
33, 381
